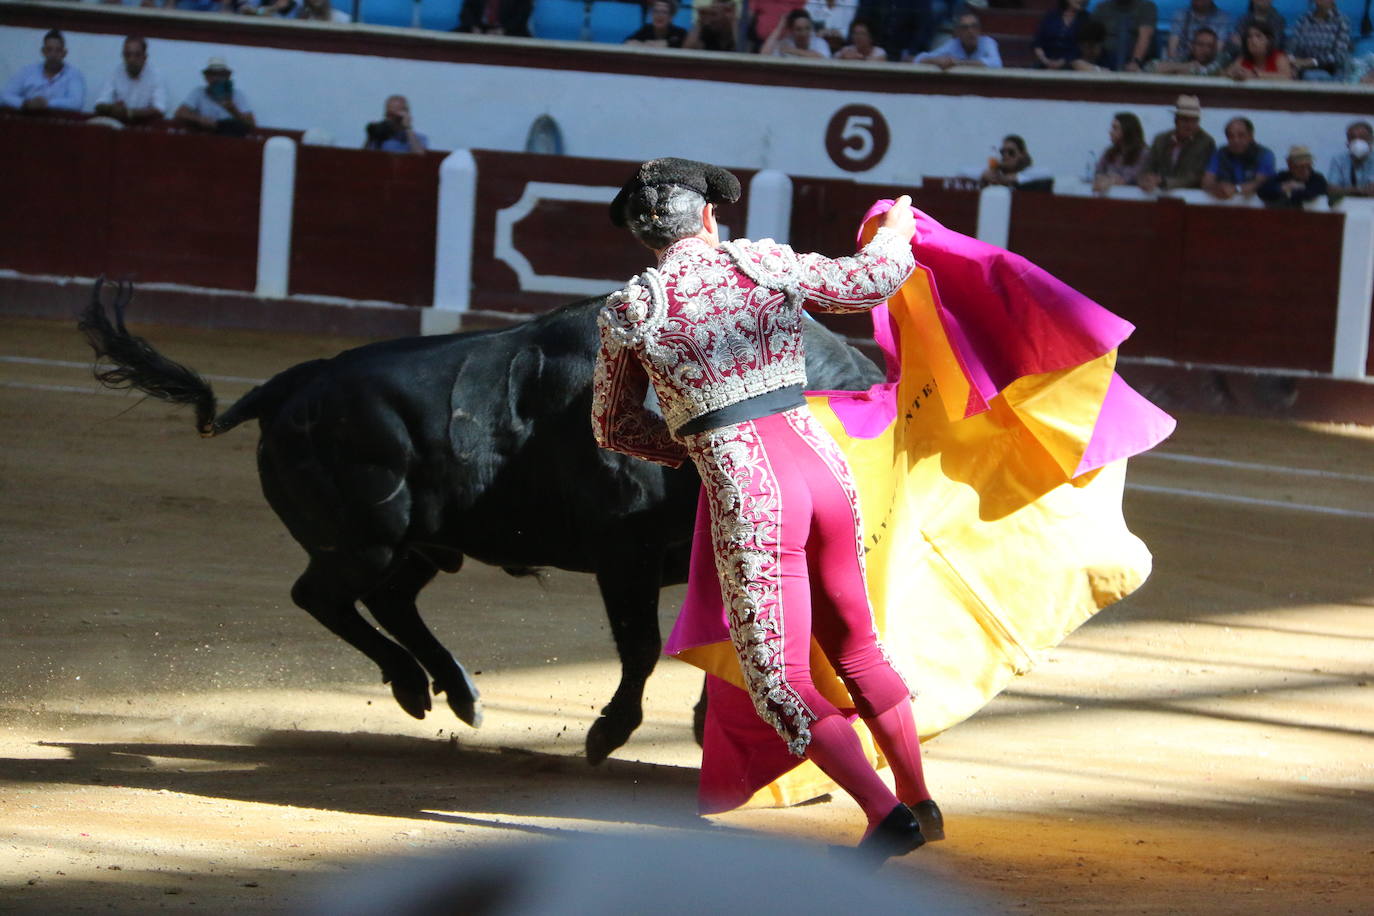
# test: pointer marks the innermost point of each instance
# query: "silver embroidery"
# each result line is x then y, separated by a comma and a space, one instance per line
715, 326
746, 518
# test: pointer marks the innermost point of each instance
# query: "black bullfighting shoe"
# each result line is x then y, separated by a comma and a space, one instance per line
931, 820
896, 835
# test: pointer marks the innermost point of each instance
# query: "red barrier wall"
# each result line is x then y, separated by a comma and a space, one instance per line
1232, 286
363, 225
157, 205
1203, 284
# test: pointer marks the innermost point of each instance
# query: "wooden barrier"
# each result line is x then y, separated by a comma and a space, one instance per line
1210, 285
154, 205
364, 224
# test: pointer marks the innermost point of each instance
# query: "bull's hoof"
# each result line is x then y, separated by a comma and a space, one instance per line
606, 735
463, 696
412, 699
467, 708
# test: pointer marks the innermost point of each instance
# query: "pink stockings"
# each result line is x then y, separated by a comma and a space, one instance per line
786, 532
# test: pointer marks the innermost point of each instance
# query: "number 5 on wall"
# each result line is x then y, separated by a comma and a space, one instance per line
857, 138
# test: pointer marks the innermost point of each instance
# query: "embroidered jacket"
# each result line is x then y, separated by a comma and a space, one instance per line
710, 327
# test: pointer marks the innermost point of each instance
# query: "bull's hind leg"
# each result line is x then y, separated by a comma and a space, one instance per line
393, 604
629, 586
320, 592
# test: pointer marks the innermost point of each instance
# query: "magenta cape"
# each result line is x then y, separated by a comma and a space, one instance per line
1026, 457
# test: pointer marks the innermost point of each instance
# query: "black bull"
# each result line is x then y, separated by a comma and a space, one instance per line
393, 461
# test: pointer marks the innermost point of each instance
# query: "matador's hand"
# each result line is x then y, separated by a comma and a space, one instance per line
901, 218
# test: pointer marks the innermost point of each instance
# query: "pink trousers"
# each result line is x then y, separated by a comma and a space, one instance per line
788, 547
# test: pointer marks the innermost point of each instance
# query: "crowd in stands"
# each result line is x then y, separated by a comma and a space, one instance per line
135, 93
1204, 39
1199, 38
1186, 157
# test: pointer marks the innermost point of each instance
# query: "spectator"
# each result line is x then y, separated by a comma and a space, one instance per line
1263, 12
968, 48
715, 27
321, 11
1185, 24
51, 84
1011, 166
833, 19
1296, 186
1204, 58
1352, 172
1056, 39
1178, 158
495, 17
205, 6
906, 25
1130, 28
659, 31
795, 36
765, 16
217, 106
1241, 166
1094, 55
1320, 43
1122, 162
395, 132
863, 44
283, 8
134, 93
1260, 60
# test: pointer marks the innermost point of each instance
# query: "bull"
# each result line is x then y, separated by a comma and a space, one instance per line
397, 460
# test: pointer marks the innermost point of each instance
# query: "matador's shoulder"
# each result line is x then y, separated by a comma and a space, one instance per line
627, 312
768, 263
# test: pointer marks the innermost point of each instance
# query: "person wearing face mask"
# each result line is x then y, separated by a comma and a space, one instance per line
1352, 172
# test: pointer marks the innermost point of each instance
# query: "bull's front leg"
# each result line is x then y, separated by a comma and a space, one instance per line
629, 583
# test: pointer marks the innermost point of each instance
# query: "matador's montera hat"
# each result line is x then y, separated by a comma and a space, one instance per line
712, 182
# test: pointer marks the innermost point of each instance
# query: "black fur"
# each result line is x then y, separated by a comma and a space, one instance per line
393, 461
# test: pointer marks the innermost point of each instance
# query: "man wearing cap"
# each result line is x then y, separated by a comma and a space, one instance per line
1352, 172
1179, 157
217, 106
51, 84
716, 329
135, 92
1298, 185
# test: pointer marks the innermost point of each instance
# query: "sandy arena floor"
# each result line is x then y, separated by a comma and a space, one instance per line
174, 733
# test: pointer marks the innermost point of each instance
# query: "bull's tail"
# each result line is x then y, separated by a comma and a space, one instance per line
132, 362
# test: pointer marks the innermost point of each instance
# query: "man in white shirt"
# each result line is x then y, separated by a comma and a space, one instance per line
134, 93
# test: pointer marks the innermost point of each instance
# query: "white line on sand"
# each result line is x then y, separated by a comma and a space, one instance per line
70, 364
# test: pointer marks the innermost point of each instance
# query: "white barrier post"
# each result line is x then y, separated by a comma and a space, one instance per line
994, 215
1356, 291
274, 216
453, 240
770, 206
